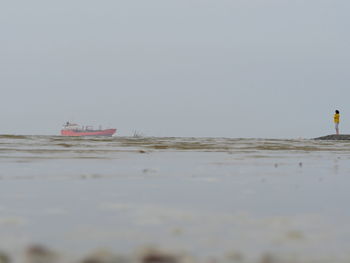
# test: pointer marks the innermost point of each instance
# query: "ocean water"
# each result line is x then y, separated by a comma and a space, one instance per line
214, 199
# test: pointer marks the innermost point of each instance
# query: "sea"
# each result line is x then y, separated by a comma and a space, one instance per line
188, 199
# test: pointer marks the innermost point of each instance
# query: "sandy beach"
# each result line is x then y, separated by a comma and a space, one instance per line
188, 199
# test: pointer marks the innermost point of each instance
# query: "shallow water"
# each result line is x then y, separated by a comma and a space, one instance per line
210, 197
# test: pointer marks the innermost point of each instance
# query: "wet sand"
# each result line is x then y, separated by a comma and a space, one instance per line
174, 199
336, 137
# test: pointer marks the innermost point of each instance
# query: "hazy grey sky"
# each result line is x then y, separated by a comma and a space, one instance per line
231, 68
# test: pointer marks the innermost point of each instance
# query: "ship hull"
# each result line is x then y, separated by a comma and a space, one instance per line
107, 132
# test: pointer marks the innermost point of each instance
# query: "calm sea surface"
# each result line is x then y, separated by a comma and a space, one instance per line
210, 197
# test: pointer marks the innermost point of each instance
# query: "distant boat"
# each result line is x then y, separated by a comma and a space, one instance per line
72, 129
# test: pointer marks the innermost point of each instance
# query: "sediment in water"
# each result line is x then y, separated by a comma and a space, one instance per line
339, 137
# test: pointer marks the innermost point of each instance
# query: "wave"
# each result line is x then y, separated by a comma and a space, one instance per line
105, 146
11, 136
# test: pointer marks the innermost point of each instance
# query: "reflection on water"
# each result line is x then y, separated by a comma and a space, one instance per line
230, 200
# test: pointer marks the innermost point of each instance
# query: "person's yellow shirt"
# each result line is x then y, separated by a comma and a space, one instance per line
336, 118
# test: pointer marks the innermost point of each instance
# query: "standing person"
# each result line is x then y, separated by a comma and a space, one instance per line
336, 121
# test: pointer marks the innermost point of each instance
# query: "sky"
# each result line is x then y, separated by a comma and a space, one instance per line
193, 68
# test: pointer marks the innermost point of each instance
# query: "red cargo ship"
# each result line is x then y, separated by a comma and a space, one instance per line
71, 129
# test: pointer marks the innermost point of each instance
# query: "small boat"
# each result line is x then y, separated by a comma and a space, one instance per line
72, 129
